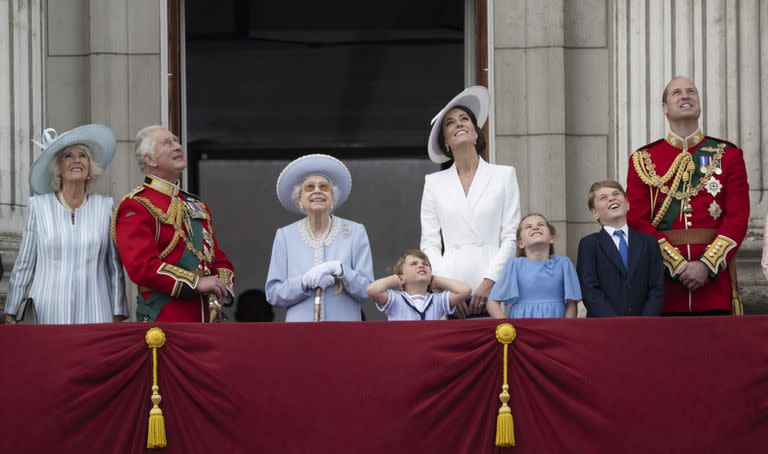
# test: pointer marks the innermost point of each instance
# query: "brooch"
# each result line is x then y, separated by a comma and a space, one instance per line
714, 210
714, 186
345, 232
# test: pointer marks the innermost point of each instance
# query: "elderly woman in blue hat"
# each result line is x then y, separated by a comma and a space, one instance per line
470, 211
67, 262
321, 264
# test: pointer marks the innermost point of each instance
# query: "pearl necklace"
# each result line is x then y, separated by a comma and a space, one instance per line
323, 235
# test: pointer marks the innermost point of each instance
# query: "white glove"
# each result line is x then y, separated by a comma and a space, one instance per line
313, 279
330, 267
321, 274
325, 281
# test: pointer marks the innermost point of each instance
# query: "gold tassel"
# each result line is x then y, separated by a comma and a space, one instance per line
738, 308
505, 426
156, 435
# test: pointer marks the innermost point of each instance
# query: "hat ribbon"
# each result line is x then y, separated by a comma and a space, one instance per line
48, 136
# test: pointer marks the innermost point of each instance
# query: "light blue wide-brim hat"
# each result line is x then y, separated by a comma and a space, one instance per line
98, 138
313, 164
474, 98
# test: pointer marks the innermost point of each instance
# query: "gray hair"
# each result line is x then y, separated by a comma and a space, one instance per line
54, 168
296, 193
144, 145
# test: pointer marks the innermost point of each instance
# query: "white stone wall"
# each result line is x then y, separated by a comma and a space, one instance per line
528, 46
21, 108
22, 34
551, 91
103, 66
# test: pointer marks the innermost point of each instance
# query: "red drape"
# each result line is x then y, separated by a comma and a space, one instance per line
693, 385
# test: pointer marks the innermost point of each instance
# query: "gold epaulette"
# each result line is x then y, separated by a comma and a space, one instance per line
113, 221
673, 258
189, 194
727, 143
137, 190
714, 255
648, 145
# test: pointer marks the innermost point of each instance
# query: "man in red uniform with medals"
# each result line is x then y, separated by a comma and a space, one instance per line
691, 192
165, 239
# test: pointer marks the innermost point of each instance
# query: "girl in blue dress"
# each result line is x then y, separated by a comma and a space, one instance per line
537, 283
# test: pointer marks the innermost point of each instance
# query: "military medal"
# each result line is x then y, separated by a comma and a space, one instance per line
713, 186
704, 162
714, 210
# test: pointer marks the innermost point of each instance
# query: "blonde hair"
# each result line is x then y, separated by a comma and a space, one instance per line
520, 250
54, 168
398, 268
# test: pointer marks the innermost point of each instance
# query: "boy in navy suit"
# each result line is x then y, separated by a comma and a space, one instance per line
620, 269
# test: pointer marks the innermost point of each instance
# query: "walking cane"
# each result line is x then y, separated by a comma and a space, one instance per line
318, 306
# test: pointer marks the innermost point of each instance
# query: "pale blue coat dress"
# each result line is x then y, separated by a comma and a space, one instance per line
70, 269
537, 289
294, 252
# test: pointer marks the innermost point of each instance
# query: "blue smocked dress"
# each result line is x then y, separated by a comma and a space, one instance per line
537, 289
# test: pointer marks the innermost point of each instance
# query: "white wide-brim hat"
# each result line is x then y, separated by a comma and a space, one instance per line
98, 138
313, 164
475, 99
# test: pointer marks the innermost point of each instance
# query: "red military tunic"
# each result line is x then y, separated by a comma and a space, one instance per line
151, 228
706, 217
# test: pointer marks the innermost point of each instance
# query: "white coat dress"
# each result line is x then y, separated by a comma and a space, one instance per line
478, 229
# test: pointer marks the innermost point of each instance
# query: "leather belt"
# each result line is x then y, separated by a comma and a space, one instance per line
690, 236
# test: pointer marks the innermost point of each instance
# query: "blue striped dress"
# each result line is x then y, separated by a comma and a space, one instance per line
70, 269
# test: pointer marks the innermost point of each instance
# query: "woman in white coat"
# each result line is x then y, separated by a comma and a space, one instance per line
473, 205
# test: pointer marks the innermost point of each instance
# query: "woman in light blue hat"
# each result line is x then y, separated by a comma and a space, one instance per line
321, 264
67, 262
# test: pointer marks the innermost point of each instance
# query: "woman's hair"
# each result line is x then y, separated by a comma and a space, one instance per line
296, 193
398, 268
54, 168
144, 145
521, 251
479, 146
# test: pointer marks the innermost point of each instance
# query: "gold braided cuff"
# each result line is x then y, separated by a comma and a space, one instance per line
227, 277
714, 255
181, 276
673, 258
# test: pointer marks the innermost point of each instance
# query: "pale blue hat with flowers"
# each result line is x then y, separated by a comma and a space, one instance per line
313, 164
99, 139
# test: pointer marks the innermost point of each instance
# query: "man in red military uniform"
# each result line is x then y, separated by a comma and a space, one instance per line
691, 192
165, 239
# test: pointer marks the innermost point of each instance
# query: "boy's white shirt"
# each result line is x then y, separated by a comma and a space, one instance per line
610, 231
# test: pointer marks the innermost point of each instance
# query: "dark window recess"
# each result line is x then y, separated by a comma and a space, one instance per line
282, 78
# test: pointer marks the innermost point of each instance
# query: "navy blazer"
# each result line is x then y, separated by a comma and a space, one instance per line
608, 288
